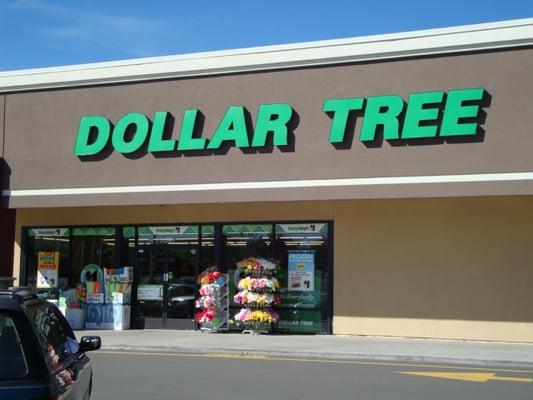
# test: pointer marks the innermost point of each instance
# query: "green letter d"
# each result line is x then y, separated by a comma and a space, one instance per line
103, 130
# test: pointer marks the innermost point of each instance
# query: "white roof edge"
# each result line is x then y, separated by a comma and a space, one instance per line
487, 36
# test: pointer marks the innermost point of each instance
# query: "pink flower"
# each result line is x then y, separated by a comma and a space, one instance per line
242, 315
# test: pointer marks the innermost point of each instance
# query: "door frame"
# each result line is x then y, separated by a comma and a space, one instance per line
155, 322
165, 322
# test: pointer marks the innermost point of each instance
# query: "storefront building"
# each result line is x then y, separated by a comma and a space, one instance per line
402, 165
7, 236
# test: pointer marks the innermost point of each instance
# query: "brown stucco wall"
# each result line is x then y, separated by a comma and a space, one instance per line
7, 217
442, 268
41, 129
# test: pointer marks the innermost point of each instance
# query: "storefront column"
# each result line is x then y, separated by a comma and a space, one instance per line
218, 245
17, 248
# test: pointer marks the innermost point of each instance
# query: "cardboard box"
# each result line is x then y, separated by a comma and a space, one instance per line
94, 318
117, 317
118, 293
122, 298
72, 298
95, 298
95, 292
124, 274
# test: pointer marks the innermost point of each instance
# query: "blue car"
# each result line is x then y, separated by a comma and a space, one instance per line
40, 357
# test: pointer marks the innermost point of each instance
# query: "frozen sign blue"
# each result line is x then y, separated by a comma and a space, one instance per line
301, 270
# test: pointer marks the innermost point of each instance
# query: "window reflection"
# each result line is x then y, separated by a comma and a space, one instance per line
48, 248
92, 246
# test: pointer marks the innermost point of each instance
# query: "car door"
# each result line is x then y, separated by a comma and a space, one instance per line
22, 375
69, 368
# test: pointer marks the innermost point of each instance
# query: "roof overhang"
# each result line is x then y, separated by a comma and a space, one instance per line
479, 37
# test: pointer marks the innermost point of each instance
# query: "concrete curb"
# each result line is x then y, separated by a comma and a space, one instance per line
330, 356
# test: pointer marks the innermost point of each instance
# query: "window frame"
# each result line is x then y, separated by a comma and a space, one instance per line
50, 308
37, 370
218, 237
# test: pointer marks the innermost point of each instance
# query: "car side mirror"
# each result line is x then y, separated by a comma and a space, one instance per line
90, 343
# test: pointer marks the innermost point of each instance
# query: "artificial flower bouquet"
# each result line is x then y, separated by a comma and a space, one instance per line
205, 316
208, 290
211, 281
257, 266
209, 276
259, 285
257, 300
258, 293
249, 317
207, 302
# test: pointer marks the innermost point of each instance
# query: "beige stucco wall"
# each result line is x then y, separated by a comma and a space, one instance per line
440, 268
449, 268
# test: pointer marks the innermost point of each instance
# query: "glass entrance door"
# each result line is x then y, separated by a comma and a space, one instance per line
168, 259
152, 262
181, 287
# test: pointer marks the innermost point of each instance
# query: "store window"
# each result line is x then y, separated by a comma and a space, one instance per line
48, 259
92, 245
167, 249
127, 248
169, 259
246, 240
302, 253
242, 241
69, 263
207, 250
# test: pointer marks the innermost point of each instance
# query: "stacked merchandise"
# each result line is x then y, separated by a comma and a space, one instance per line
117, 309
71, 304
213, 301
258, 294
92, 276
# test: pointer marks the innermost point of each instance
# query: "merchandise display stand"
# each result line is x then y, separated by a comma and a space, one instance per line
254, 332
213, 316
258, 295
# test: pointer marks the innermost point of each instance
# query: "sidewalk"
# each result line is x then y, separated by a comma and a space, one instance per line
345, 347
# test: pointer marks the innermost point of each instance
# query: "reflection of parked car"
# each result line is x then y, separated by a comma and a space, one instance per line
180, 304
40, 357
181, 298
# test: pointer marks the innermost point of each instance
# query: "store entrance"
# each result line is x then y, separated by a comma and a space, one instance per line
166, 289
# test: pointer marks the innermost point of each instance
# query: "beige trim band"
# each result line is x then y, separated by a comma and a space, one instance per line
311, 183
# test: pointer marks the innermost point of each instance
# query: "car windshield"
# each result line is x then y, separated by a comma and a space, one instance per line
182, 290
12, 360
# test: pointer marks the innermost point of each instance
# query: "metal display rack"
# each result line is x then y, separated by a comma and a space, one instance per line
220, 323
258, 272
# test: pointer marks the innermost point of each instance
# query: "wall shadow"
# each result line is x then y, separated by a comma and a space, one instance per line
198, 130
349, 132
269, 143
5, 181
478, 137
105, 153
7, 223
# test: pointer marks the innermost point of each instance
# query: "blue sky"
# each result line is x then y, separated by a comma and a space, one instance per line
43, 33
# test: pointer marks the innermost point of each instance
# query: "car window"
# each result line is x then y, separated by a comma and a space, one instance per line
54, 334
13, 363
183, 290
